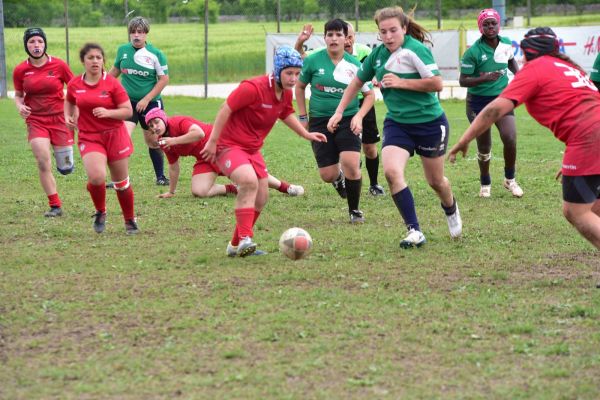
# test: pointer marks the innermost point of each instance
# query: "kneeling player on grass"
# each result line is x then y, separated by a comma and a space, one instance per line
185, 136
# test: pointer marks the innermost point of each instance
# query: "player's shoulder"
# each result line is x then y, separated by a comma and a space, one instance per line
153, 49
351, 59
21, 67
505, 40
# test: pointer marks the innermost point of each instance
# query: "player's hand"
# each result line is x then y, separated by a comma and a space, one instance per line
101, 112
491, 76
457, 148
141, 105
166, 142
390, 80
166, 195
375, 82
356, 125
305, 34
558, 176
24, 111
317, 137
334, 122
71, 122
209, 152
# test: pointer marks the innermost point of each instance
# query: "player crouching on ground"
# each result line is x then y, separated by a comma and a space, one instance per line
181, 136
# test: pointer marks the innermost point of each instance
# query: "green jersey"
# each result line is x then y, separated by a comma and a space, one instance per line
329, 82
482, 58
359, 51
140, 69
595, 75
412, 60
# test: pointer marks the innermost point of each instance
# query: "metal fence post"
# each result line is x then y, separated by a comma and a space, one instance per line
3, 88
356, 15
66, 8
206, 49
278, 16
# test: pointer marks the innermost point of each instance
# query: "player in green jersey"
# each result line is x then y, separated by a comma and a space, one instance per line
370, 136
415, 122
484, 72
144, 74
329, 72
595, 75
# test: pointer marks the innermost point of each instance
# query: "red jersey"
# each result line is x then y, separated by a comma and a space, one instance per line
43, 86
179, 126
255, 110
563, 99
107, 93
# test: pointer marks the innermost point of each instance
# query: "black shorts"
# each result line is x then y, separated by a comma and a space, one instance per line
370, 131
476, 103
141, 117
581, 189
343, 139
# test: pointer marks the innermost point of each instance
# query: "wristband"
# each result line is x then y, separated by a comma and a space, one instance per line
303, 118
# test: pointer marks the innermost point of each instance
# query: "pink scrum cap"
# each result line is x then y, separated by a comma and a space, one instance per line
488, 13
156, 113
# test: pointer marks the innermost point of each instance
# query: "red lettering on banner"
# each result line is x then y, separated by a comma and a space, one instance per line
592, 46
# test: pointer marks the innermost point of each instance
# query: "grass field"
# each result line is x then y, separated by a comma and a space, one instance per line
236, 50
510, 311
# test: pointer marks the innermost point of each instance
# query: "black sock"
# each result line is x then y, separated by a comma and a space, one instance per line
372, 169
450, 210
156, 155
353, 187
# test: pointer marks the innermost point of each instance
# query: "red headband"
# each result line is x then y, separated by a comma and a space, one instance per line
488, 13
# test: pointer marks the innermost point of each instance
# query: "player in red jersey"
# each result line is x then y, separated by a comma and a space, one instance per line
102, 106
240, 128
39, 98
181, 136
559, 95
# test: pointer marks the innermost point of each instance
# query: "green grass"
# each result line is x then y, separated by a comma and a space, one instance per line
235, 50
508, 311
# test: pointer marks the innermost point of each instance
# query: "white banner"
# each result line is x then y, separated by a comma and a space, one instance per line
445, 48
581, 44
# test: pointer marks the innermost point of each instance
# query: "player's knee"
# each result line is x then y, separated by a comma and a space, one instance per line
393, 176
122, 185
484, 156
65, 163
200, 192
438, 184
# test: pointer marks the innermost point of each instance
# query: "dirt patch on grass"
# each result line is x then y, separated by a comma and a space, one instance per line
584, 266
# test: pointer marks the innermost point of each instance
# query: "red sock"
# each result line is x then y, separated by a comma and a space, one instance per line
283, 187
235, 239
256, 215
126, 201
98, 193
231, 188
244, 220
54, 200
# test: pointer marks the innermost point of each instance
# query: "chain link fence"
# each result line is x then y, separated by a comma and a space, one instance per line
226, 43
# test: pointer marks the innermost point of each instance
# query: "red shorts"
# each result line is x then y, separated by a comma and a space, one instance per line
203, 167
114, 144
51, 127
230, 158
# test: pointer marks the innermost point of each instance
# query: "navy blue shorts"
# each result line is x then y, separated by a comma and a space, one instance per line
141, 117
476, 103
428, 139
581, 189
